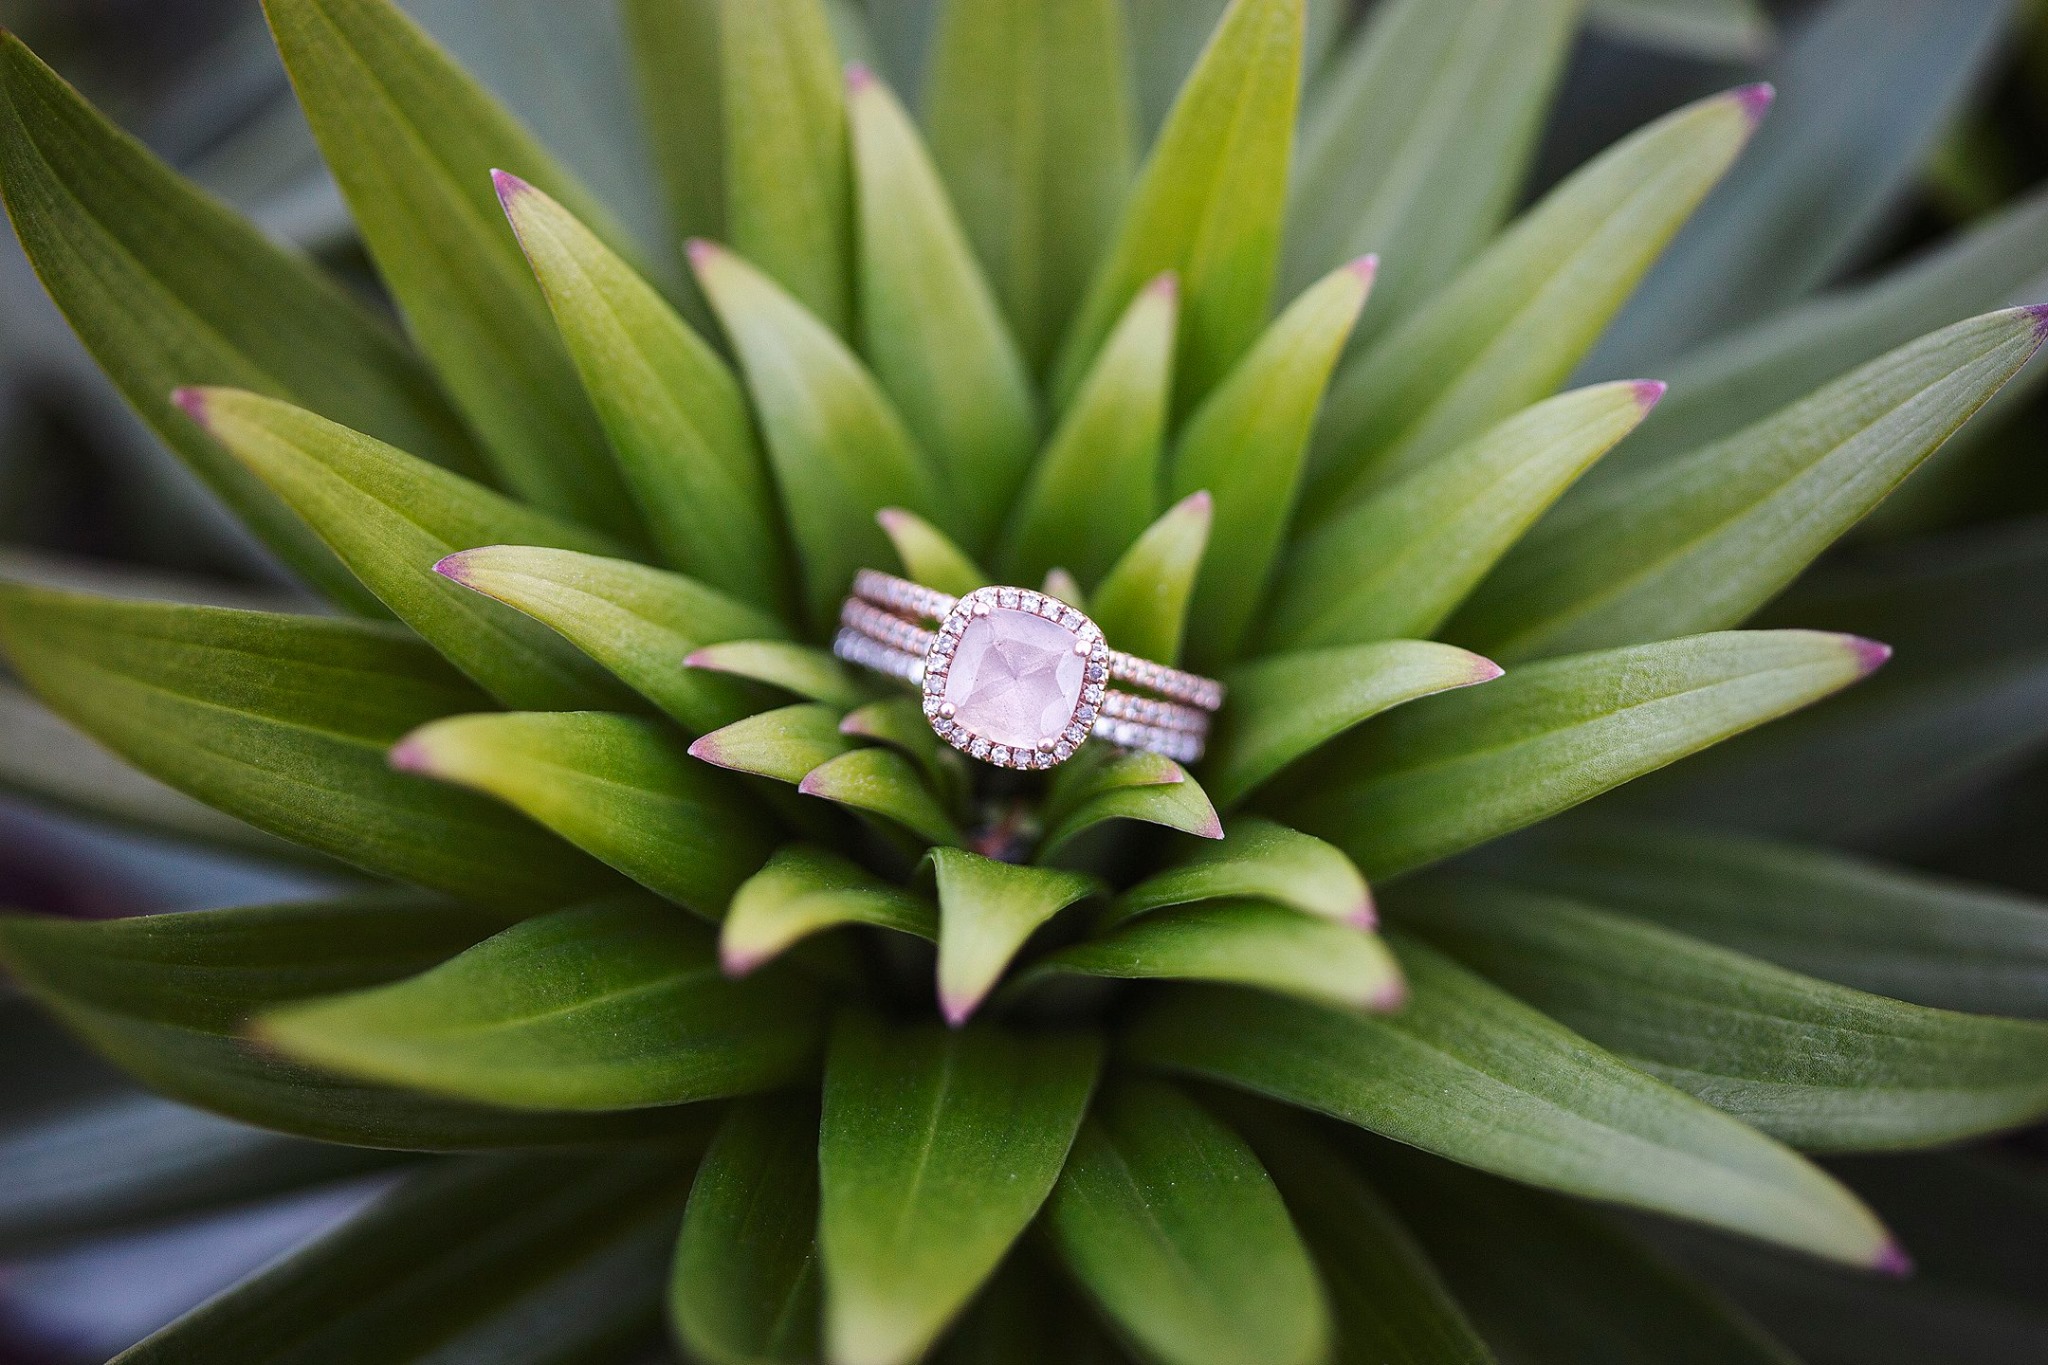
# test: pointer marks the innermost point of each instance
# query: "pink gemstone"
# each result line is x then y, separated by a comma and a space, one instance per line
1015, 678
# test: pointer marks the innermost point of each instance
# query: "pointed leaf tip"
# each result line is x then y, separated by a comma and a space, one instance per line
193, 401
1893, 1261
702, 252
1365, 267
1650, 392
1871, 654
2039, 313
455, 568
409, 756
1756, 100
509, 186
858, 77
1165, 285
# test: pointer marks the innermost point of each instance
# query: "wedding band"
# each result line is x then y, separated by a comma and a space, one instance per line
1020, 679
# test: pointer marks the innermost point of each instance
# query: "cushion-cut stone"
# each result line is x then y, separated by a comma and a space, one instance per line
1015, 678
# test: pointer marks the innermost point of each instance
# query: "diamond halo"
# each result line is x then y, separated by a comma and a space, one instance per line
1015, 678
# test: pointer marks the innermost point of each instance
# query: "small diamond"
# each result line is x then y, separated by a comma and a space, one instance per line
1076, 733
999, 756
979, 748
1063, 750
1070, 618
1085, 716
1096, 672
1006, 597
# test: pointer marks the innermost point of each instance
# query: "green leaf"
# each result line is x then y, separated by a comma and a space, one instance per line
412, 139
620, 788
812, 674
1935, 942
616, 1005
1208, 203
937, 1149
806, 890
1816, 1065
1244, 943
1245, 445
1284, 706
1031, 126
283, 721
52, 764
1399, 561
1097, 769
784, 744
635, 620
165, 287
1558, 1284
1096, 487
1727, 29
1142, 602
166, 996
1510, 328
1388, 1302
675, 414
391, 518
929, 556
677, 68
1417, 140
1702, 542
512, 1259
1149, 793
130, 1161
788, 196
929, 324
839, 451
987, 910
1028, 1313
1720, 388
1266, 861
744, 1287
1437, 778
883, 782
1828, 172
1171, 1224
900, 723
1469, 1073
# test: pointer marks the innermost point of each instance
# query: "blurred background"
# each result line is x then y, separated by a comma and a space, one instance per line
85, 490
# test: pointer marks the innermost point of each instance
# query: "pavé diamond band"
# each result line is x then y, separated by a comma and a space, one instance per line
1019, 679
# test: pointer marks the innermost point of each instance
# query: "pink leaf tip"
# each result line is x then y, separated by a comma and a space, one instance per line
1390, 998
701, 252
858, 77
1210, 828
1165, 285
2039, 313
1892, 1260
1365, 267
1870, 654
1756, 100
193, 401
454, 567
1198, 503
738, 962
958, 1009
705, 749
892, 519
1484, 670
811, 787
1364, 915
509, 186
409, 756
1650, 392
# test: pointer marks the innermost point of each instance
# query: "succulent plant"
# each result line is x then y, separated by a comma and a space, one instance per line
730, 994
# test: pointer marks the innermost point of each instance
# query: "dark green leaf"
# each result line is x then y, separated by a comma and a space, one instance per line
1826, 174
1142, 602
1440, 776
1816, 1065
788, 197
1700, 543
391, 519
1935, 942
165, 287
1208, 203
412, 140
284, 721
937, 1149
677, 62
1510, 328
620, 788
1245, 446
1417, 139
1729, 29
839, 451
929, 324
987, 910
1096, 487
518, 1260
1172, 1225
675, 414
1399, 561
744, 1286
1031, 125
1469, 1073
166, 997
635, 620
1287, 705
806, 890
616, 1005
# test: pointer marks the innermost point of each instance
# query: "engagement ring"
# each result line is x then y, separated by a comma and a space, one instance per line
1020, 679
